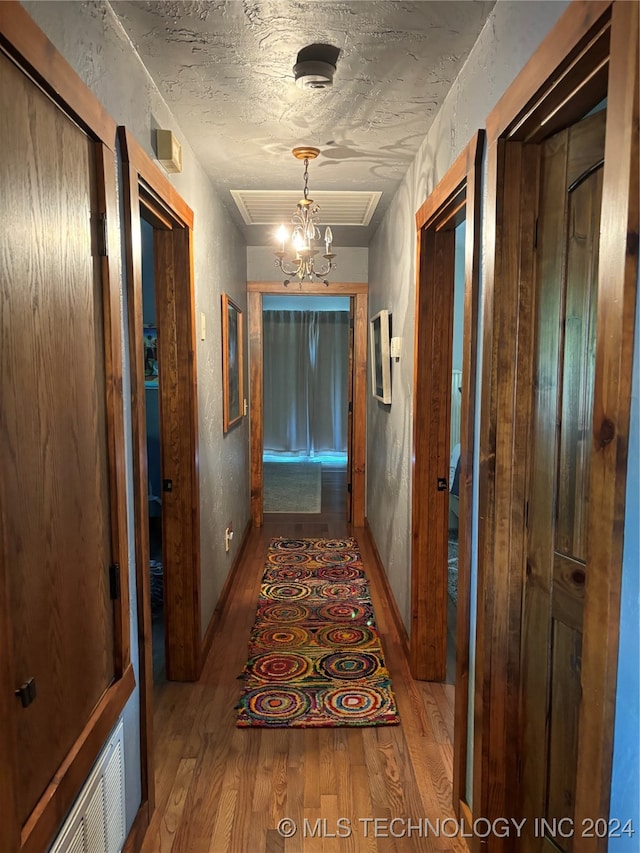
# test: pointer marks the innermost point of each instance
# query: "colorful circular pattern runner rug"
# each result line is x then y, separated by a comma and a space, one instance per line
315, 657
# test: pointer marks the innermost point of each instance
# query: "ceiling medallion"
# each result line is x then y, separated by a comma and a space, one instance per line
296, 259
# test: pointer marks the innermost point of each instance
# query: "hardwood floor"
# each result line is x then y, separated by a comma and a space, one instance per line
220, 788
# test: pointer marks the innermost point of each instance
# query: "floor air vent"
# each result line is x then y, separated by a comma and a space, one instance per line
96, 822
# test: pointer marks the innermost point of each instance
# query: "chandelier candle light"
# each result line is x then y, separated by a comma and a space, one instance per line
300, 263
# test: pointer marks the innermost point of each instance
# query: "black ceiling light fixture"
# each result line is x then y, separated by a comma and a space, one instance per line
315, 66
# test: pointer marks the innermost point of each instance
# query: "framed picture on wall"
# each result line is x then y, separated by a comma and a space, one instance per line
232, 364
380, 356
150, 356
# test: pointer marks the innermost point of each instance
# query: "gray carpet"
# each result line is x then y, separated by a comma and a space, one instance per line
292, 487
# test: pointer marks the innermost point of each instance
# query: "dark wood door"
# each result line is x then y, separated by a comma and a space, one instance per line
53, 433
567, 264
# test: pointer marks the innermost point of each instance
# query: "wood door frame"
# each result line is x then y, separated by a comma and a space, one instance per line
551, 93
145, 185
454, 199
359, 292
25, 44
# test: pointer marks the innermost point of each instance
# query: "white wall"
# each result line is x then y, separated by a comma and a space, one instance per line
90, 38
352, 265
512, 33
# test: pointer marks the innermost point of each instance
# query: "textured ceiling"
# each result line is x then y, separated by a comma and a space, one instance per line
225, 69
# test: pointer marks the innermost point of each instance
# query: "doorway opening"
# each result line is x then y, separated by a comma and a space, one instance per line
442, 640
308, 422
444, 378
152, 347
163, 354
455, 434
306, 357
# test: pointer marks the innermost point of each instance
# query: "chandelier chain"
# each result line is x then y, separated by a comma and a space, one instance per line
306, 178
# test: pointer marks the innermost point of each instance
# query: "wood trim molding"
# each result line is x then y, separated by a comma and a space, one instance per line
134, 153
25, 42
617, 294
133, 844
225, 593
342, 288
10, 836
455, 179
390, 597
42, 824
468, 453
107, 204
570, 33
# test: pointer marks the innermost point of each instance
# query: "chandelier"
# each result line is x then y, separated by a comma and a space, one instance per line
299, 260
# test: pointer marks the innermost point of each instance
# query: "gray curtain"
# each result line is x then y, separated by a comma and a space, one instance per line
306, 363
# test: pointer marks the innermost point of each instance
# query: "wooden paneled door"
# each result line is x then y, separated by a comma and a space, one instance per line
63, 614
558, 502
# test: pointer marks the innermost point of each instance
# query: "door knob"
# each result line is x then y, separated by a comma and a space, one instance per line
27, 692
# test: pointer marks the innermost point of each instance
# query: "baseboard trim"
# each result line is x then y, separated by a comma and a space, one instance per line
133, 844
224, 595
393, 605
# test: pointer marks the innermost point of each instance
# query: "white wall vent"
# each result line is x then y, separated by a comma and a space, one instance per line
339, 207
96, 823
